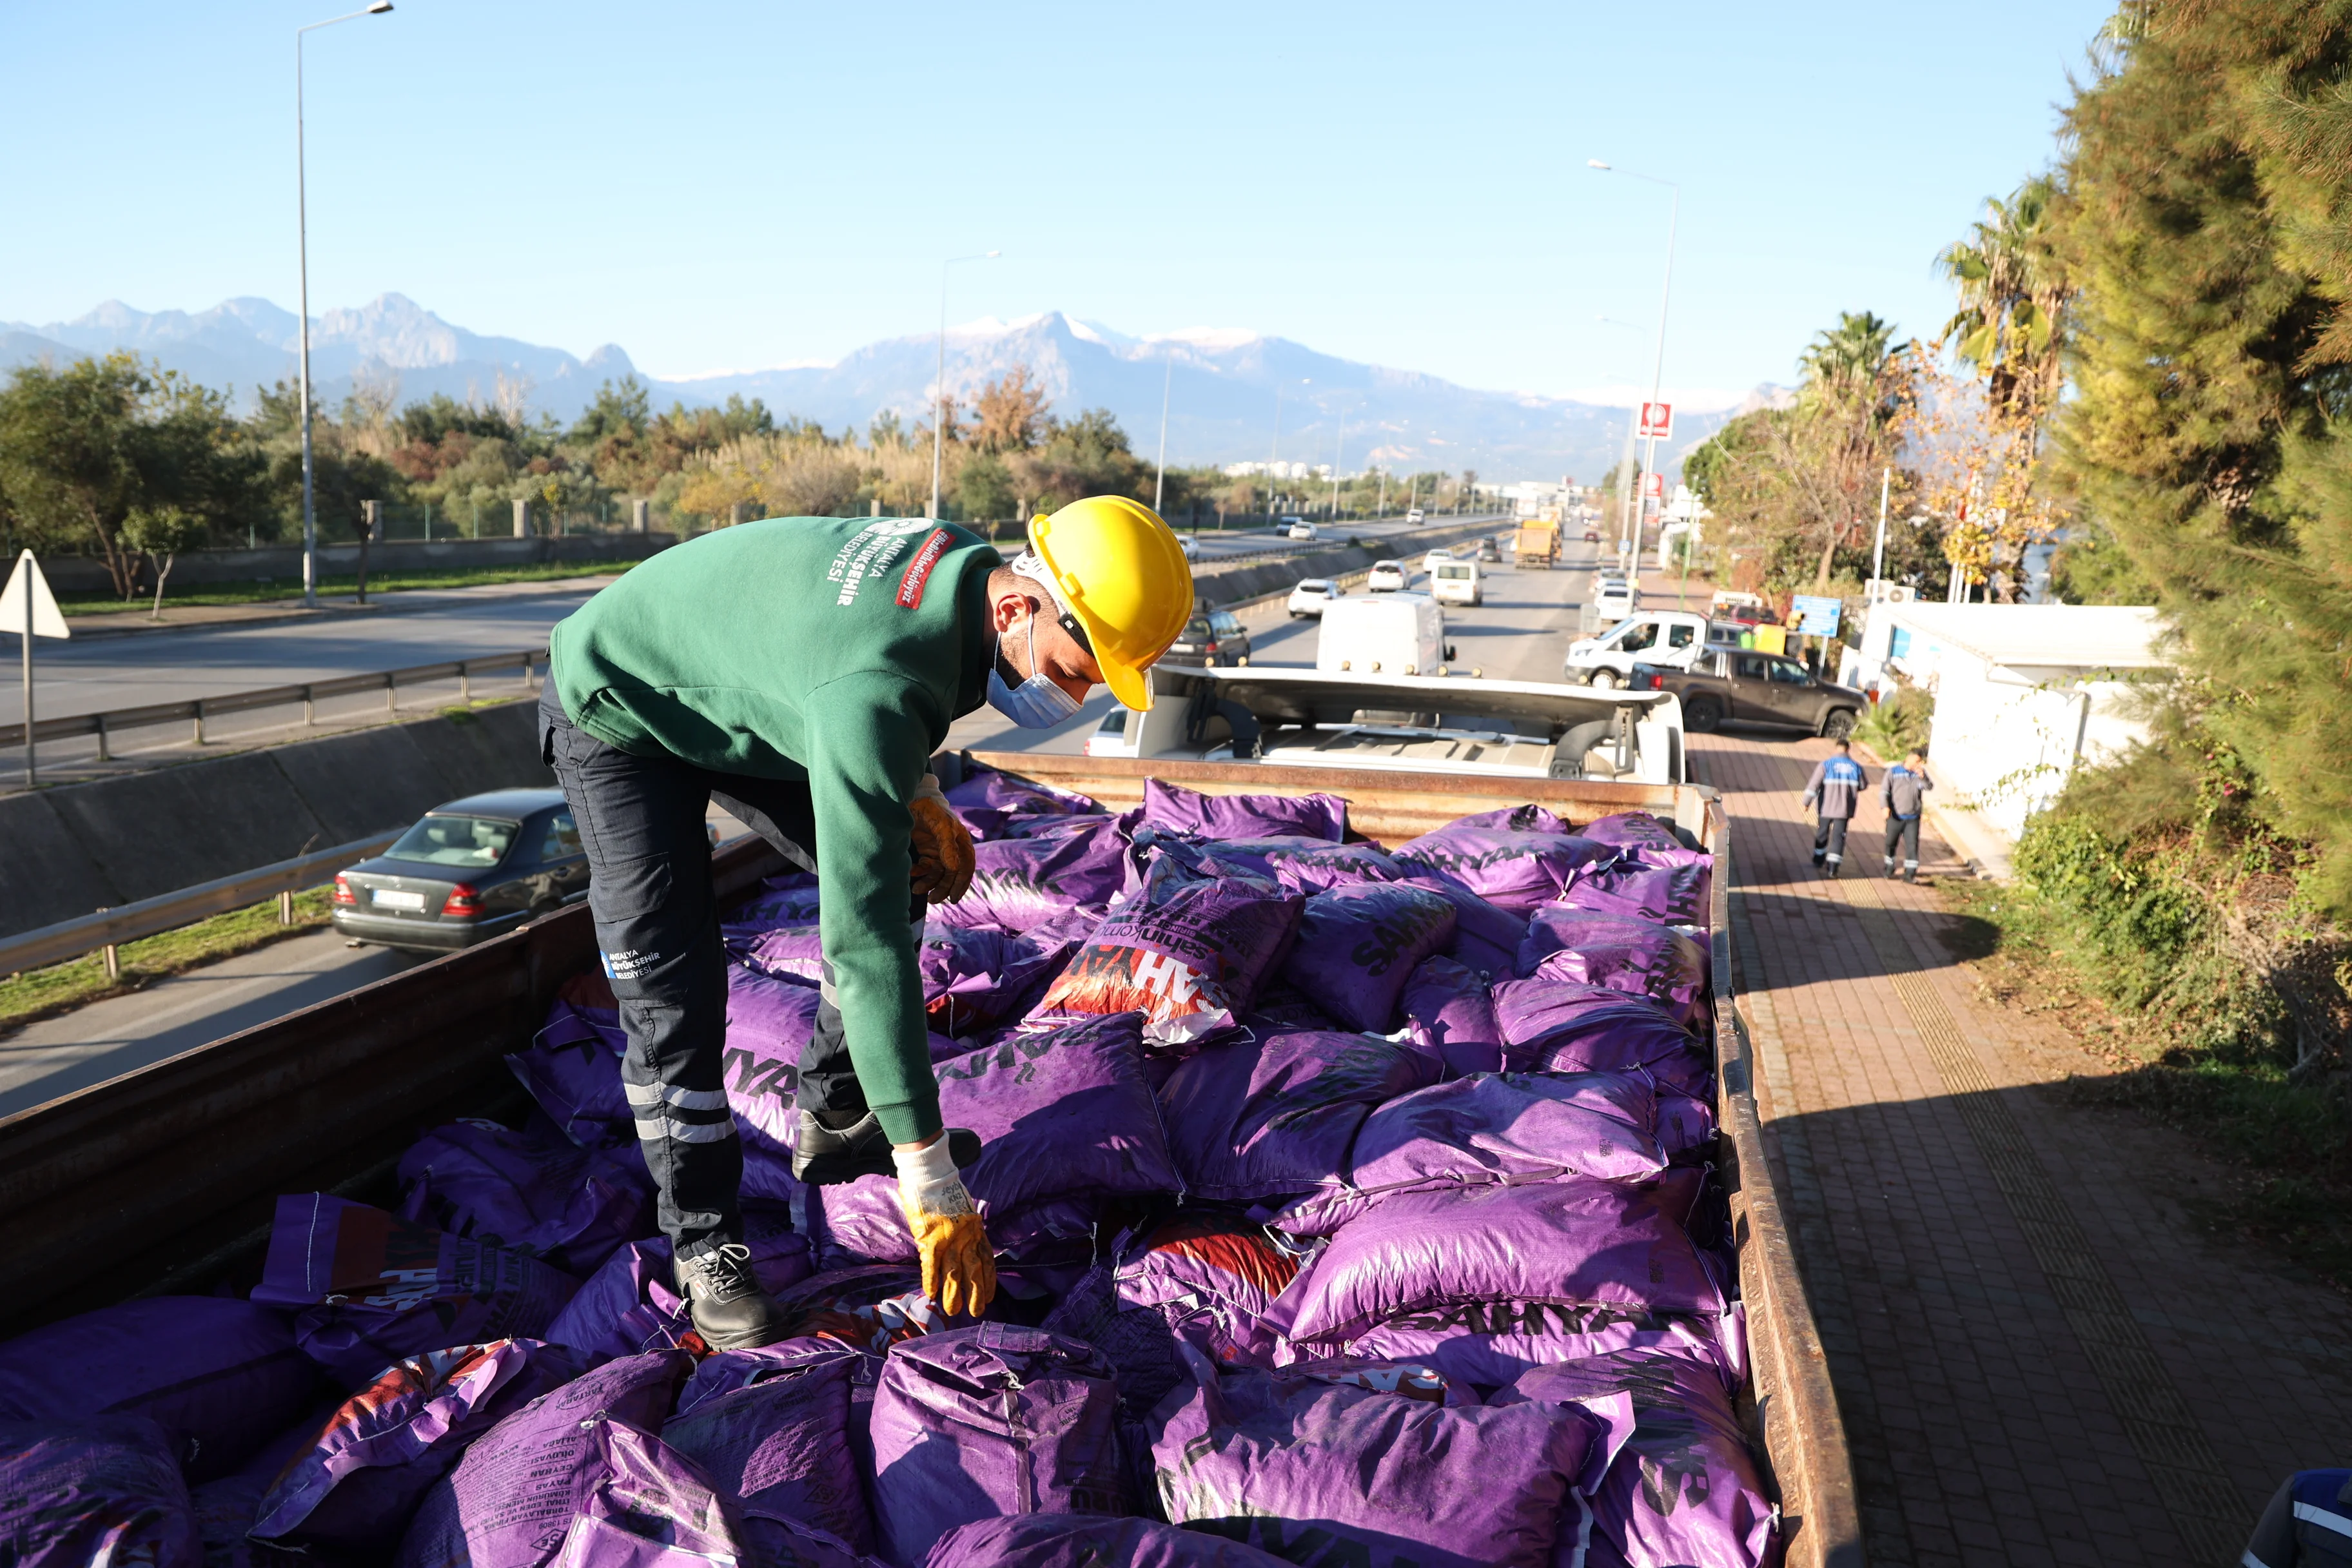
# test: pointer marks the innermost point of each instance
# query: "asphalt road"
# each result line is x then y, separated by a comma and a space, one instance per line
415, 628
1518, 634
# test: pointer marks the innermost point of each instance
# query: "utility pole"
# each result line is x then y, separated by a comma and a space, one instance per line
1878, 551
1167, 381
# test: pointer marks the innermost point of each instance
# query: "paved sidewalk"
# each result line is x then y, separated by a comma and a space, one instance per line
2040, 1356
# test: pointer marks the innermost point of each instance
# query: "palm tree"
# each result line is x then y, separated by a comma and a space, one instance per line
2013, 297
1851, 357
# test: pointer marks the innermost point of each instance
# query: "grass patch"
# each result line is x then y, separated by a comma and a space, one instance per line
40, 993
276, 589
2286, 1144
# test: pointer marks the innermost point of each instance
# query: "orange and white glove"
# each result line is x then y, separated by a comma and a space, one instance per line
959, 1268
943, 857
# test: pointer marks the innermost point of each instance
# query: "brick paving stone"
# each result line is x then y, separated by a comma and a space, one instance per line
1981, 1431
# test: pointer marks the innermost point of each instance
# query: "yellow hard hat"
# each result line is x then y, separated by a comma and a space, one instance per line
1120, 570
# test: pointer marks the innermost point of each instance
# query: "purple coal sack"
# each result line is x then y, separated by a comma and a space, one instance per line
219, 1376
990, 803
631, 1305
778, 1443
1254, 1119
1024, 883
1204, 1279
783, 952
975, 979
569, 1205
991, 1420
1491, 1129
1357, 945
1629, 955
375, 1288
1243, 816
1685, 1489
357, 1482
1187, 952
1451, 1013
87, 1494
1517, 871
1486, 936
1559, 1025
520, 1489
1630, 830
228, 1506
1310, 866
573, 1068
789, 899
1565, 1241
1052, 1541
1489, 1343
1661, 895
1292, 1464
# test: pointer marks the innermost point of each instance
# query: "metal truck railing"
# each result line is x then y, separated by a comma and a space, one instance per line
112, 722
171, 1173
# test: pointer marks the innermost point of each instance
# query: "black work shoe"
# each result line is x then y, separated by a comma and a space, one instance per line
823, 1157
730, 1310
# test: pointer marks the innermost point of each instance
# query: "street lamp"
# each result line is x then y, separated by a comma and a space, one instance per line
939, 384
1658, 367
1167, 382
1276, 456
302, 226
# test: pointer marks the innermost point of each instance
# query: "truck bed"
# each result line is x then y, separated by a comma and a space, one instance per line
170, 1174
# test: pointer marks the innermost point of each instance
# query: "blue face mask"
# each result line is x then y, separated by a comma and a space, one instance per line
1037, 703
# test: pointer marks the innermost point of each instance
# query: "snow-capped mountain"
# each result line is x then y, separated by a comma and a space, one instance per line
1221, 385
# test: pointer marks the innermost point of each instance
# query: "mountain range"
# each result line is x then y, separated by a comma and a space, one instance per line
1219, 384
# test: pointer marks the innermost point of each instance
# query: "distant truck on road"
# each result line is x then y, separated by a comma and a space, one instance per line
1539, 543
1739, 684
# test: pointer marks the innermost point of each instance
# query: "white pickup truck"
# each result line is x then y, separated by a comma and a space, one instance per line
1668, 638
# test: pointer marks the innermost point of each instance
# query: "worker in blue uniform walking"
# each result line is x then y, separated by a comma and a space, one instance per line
2308, 1525
1903, 792
1837, 782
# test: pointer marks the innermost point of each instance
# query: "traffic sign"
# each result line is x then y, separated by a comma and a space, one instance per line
1657, 421
1817, 614
27, 604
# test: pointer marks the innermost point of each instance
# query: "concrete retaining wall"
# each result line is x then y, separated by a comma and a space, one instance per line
68, 851
1232, 585
283, 563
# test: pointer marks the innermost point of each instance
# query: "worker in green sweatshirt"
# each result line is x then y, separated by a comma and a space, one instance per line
801, 672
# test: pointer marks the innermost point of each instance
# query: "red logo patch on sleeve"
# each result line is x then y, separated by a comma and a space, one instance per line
918, 570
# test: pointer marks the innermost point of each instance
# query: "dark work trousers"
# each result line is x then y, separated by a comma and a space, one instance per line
1829, 836
641, 824
1903, 830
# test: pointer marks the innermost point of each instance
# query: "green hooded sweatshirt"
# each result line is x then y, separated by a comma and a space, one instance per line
834, 650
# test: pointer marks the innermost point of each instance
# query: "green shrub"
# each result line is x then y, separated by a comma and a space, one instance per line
1898, 724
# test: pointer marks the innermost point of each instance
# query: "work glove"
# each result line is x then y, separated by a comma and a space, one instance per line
943, 857
959, 1268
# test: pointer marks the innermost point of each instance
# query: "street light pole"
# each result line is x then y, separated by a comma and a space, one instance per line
940, 381
1665, 297
302, 252
1878, 551
1167, 381
1339, 445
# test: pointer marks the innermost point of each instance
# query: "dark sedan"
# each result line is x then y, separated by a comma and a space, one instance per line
466, 871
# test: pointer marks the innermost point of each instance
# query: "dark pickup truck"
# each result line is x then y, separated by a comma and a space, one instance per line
1736, 684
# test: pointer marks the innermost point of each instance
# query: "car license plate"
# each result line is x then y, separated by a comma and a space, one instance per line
391, 899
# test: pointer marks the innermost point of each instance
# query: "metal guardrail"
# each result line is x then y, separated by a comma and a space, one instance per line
169, 912
195, 711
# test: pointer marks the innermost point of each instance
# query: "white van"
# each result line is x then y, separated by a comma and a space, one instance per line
1396, 634
1457, 583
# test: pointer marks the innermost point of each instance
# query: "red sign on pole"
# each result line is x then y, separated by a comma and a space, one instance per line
1653, 486
1657, 421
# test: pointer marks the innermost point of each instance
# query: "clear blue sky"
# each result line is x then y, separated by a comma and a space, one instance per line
732, 186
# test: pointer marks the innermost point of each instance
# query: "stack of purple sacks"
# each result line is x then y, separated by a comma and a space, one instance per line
1352, 1203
